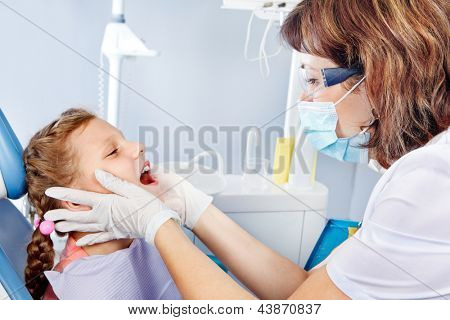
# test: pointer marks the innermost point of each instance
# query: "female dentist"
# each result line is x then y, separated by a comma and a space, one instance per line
378, 76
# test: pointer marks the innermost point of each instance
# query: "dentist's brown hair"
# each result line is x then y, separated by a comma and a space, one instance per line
50, 161
402, 46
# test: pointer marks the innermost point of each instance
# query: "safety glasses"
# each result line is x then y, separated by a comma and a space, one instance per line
332, 76
313, 81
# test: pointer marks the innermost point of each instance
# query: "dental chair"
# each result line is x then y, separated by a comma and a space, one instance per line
15, 230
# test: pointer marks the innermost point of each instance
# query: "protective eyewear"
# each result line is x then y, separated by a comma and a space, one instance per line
312, 81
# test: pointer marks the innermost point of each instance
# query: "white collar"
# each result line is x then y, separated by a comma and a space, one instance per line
441, 138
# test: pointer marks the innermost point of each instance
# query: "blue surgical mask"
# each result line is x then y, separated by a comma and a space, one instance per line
318, 121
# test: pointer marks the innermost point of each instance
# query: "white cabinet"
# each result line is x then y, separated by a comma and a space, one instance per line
286, 221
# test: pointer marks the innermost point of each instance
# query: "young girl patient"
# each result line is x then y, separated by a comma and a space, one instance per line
66, 153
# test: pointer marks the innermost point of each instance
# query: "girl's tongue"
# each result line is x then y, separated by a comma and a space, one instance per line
146, 176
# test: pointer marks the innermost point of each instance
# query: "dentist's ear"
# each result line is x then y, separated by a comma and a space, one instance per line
72, 206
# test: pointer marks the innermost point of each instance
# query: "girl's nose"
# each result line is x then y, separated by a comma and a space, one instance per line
136, 149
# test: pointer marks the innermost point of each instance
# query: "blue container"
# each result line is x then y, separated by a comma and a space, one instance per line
335, 232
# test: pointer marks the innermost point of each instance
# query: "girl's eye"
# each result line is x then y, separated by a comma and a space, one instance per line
113, 152
312, 81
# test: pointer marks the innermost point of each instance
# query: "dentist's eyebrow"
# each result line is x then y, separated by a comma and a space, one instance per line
308, 66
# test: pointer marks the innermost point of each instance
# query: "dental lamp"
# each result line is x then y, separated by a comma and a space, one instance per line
119, 42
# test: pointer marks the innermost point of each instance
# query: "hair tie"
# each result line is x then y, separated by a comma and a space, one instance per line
46, 227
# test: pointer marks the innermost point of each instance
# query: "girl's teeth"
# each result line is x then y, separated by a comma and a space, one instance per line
145, 168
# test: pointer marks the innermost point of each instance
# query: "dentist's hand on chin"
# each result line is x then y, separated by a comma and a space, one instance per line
131, 212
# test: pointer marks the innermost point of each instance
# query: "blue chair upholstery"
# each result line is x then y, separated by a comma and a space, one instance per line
11, 164
15, 230
15, 233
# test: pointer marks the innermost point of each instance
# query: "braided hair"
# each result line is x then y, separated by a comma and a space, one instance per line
49, 161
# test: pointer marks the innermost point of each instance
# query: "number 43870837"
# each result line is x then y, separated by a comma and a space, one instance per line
289, 308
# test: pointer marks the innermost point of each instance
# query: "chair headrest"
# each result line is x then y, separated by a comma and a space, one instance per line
12, 170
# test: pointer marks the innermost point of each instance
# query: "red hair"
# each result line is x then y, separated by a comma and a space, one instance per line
403, 48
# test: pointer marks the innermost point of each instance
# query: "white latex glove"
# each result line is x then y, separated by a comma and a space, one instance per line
181, 196
131, 212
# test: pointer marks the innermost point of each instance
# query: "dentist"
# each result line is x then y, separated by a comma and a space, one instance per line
376, 87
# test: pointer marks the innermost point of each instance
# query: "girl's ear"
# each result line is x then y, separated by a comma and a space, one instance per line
75, 206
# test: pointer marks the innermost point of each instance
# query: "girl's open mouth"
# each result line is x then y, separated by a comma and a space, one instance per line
146, 176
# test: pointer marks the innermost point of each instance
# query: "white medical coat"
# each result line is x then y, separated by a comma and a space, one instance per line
402, 250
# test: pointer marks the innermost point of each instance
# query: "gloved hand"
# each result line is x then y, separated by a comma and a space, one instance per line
181, 196
131, 212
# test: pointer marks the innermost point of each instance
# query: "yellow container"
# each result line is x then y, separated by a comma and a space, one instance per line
282, 160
